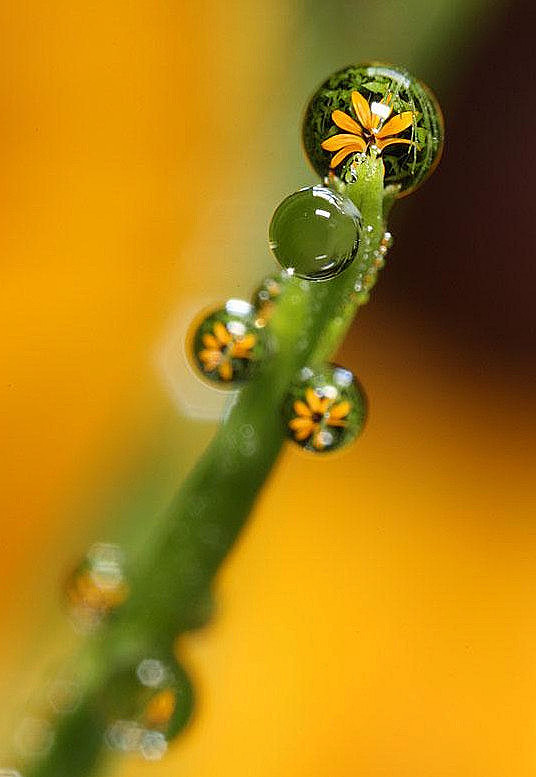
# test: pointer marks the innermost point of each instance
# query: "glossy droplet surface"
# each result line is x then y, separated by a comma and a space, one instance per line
314, 233
97, 586
147, 706
228, 344
325, 409
374, 109
265, 297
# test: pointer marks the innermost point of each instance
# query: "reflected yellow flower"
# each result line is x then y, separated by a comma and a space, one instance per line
221, 347
369, 130
316, 413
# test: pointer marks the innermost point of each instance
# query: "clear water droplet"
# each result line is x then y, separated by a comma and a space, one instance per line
325, 409
97, 586
228, 343
315, 233
147, 705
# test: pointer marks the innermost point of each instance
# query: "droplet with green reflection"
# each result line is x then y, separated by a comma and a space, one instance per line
314, 233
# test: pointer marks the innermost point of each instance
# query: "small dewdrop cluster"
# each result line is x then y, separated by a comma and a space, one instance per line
314, 233
159, 703
228, 344
97, 586
364, 281
374, 111
325, 409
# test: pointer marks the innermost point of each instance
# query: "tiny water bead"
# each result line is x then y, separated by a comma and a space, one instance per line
147, 706
228, 344
375, 110
314, 233
97, 586
325, 409
265, 297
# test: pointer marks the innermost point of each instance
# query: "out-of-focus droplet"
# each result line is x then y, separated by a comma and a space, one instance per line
64, 692
153, 745
97, 586
325, 409
265, 297
372, 110
9, 773
315, 233
387, 241
34, 737
227, 344
147, 706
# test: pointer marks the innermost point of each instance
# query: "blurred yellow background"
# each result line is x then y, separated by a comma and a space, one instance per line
378, 616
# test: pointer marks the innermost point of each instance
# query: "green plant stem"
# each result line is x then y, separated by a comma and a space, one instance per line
171, 577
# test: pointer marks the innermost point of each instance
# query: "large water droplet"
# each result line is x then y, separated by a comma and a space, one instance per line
378, 110
315, 233
325, 409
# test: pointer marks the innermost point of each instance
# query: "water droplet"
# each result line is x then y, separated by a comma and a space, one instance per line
153, 745
388, 240
147, 706
389, 92
151, 672
228, 344
315, 232
97, 586
325, 409
64, 693
265, 298
34, 737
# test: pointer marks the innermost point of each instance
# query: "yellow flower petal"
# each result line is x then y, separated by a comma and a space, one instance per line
226, 370
210, 356
346, 122
298, 424
221, 333
210, 341
247, 342
337, 142
313, 400
396, 124
354, 148
238, 352
302, 409
340, 410
392, 142
302, 434
362, 110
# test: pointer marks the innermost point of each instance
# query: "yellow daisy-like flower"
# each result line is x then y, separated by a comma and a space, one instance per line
370, 129
221, 347
314, 415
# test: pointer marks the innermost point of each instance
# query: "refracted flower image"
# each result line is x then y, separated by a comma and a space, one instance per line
228, 343
325, 409
370, 131
315, 415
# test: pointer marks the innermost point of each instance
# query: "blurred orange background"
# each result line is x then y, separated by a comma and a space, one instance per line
378, 616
